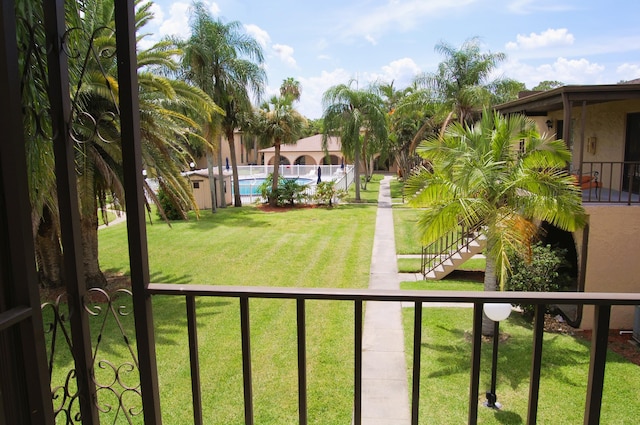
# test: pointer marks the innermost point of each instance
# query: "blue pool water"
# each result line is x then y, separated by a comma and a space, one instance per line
251, 186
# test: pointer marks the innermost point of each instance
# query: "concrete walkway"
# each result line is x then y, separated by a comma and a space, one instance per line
385, 392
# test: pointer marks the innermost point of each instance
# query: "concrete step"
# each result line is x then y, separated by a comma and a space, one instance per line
454, 260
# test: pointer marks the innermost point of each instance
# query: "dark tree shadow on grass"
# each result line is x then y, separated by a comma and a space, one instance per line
506, 417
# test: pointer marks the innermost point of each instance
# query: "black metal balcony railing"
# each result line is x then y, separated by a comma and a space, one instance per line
616, 182
601, 301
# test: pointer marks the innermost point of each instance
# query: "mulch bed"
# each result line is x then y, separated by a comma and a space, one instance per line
620, 343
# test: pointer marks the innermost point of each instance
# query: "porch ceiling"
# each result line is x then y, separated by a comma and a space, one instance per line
540, 103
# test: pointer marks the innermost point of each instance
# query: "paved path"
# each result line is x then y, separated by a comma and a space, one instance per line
120, 217
385, 393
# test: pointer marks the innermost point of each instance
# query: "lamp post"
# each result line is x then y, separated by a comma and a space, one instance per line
495, 312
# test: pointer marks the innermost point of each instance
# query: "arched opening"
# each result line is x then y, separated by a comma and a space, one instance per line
561, 239
283, 160
331, 160
381, 165
304, 160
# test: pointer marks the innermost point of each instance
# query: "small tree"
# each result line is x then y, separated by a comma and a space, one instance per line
539, 273
327, 191
167, 203
288, 191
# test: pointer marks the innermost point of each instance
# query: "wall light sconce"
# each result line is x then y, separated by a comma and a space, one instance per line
592, 143
549, 124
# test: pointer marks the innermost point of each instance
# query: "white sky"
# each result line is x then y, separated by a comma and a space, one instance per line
329, 42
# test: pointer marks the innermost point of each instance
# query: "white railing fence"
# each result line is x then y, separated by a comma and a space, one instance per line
252, 177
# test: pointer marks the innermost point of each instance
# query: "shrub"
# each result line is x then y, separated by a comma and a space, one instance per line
167, 204
540, 273
288, 192
327, 191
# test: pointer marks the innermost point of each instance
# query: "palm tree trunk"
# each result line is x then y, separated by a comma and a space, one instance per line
212, 180
223, 199
489, 285
48, 251
89, 234
273, 198
237, 201
356, 172
365, 161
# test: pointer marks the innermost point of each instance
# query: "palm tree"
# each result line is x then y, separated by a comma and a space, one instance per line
499, 173
349, 112
291, 87
226, 63
462, 79
277, 123
165, 109
411, 114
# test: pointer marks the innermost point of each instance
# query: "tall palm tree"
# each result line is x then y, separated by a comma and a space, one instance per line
348, 113
226, 63
462, 79
277, 123
291, 87
499, 173
411, 114
166, 108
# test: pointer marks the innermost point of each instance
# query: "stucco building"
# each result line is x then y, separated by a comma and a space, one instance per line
601, 126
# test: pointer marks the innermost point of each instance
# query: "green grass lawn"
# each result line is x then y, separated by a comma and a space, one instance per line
445, 369
444, 381
405, 221
319, 247
396, 187
305, 247
368, 195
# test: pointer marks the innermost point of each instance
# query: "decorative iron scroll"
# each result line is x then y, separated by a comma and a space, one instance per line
94, 107
115, 364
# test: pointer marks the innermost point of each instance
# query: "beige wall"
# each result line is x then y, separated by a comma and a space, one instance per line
606, 122
613, 258
245, 157
311, 158
202, 193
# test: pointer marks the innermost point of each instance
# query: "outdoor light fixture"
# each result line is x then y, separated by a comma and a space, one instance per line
495, 312
549, 124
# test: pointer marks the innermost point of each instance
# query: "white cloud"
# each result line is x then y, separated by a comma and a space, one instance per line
401, 72
285, 53
313, 88
158, 14
548, 38
576, 71
370, 39
395, 15
322, 44
178, 21
214, 9
261, 36
628, 71
525, 7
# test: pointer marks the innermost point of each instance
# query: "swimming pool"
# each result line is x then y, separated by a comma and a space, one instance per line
251, 186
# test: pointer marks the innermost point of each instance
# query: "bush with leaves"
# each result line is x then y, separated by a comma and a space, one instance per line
327, 191
289, 190
167, 204
539, 273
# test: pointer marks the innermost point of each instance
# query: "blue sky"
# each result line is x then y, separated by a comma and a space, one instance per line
333, 41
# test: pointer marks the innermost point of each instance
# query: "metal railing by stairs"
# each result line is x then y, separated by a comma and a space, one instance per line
443, 256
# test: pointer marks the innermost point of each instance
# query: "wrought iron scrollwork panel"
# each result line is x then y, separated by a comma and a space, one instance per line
115, 364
